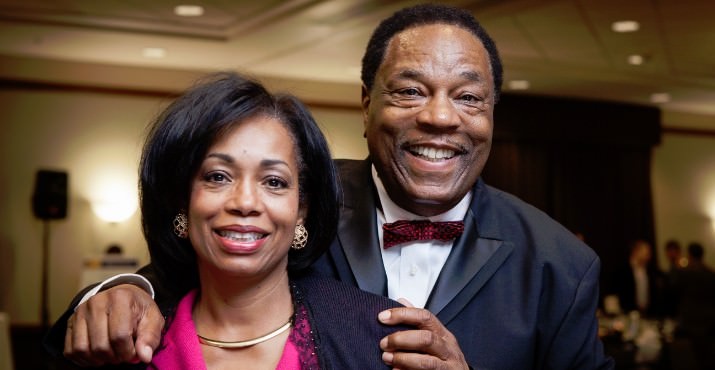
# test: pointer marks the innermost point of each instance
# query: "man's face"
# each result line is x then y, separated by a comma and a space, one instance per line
428, 118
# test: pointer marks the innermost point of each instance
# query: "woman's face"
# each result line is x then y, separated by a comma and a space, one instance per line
244, 201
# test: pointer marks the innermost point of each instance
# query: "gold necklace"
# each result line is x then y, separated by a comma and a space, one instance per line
244, 343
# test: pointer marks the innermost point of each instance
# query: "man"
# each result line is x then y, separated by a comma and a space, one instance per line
514, 291
673, 253
695, 287
638, 283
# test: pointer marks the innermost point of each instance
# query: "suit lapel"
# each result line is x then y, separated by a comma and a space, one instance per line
356, 232
475, 257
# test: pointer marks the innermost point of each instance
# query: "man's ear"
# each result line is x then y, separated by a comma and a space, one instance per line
365, 103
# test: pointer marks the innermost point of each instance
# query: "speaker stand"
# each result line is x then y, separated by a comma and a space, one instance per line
45, 307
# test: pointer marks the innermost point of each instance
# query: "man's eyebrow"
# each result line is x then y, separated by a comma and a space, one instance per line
411, 74
472, 76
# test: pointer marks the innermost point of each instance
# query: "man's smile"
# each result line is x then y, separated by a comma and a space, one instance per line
431, 154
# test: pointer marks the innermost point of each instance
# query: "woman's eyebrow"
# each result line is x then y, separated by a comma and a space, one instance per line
273, 162
221, 156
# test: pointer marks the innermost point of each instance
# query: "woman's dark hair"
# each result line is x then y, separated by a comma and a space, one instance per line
177, 144
421, 15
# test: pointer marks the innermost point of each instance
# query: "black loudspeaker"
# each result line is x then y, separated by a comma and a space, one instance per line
49, 201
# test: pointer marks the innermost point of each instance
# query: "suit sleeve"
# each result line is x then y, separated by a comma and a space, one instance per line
576, 344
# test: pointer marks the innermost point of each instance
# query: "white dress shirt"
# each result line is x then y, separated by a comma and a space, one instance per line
640, 276
115, 280
412, 268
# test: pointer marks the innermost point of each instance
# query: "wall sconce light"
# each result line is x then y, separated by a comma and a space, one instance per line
114, 204
114, 211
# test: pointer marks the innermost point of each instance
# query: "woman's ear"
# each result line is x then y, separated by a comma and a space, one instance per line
302, 214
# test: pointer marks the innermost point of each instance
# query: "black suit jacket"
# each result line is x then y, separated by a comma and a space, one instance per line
695, 289
518, 290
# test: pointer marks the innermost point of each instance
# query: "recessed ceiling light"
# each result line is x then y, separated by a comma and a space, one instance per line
519, 85
189, 10
635, 59
154, 53
625, 26
659, 98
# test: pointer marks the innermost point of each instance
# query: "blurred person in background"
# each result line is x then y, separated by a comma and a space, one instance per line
638, 283
695, 289
674, 256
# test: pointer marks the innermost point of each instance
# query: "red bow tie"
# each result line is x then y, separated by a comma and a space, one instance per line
406, 231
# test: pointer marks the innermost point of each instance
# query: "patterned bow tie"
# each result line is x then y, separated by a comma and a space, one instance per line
406, 231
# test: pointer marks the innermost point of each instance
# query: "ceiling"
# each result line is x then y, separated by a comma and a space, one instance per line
314, 47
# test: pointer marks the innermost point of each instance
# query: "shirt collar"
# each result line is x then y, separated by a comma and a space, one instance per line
392, 212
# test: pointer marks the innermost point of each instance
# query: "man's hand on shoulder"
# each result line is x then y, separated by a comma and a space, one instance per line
430, 346
122, 324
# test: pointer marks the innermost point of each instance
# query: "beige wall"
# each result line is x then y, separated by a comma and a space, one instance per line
96, 137
683, 176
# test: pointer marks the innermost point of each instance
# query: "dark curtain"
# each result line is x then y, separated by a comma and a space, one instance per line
587, 164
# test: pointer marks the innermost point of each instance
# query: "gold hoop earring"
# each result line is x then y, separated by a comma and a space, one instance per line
181, 226
300, 239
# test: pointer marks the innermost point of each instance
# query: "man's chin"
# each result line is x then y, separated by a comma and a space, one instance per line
433, 200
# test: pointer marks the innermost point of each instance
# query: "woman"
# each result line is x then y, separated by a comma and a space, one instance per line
238, 196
